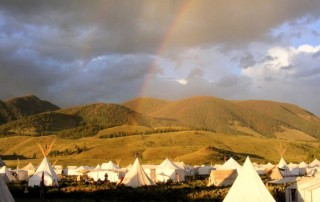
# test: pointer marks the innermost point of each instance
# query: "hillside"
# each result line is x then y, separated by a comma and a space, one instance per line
17, 108
196, 130
192, 147
252, 117
213, 114
79, 121
294, 116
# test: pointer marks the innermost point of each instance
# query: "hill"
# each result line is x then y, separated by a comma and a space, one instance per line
192, 147
232, 117
294, 116
252, 117
196, 130
79, 121
17, 108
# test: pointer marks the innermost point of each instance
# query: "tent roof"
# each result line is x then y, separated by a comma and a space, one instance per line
5, 194
45, 166
167, 164
248, 186
303, 164
282, 163
109, 165
2, 162
136, 176
230, 164
30, 166
315, 162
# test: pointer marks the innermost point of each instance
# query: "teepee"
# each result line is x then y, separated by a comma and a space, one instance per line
248, 186
5, 194
2, 163
45, 171
136, 176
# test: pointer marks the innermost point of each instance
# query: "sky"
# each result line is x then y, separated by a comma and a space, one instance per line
79, 52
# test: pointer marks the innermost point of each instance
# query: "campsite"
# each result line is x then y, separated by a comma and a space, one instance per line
167, 181
113, 152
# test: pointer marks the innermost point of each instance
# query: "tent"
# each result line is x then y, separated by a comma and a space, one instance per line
109, 166
46, 169
222, 177
248, 187
30, 168
314, 163
5, 194
204, 170
188, 170
97, 174
306, 189
274, 173
167, 170
230, 165
70, 170
226, 174
2, 163
284, 169
6, 175
136, 176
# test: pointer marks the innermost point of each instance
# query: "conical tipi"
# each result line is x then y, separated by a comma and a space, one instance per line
136, 176
50, 177
5, 194
248, 187
45, 171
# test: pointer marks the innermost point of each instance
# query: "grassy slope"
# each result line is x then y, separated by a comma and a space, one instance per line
192, 147
213, 114
294, 116
256, 119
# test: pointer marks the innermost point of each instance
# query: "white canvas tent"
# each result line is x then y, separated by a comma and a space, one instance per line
2, 163
284, 169
306, 189
230, 165
97, 174
6, 175
136, 176
30, 168
226, 174
49, 175
167, 170
248, 187
5, 194
109, 166
314, 163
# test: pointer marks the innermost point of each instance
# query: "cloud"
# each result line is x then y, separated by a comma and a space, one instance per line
77, 52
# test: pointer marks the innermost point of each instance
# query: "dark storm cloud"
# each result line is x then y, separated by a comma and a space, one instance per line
139, 26
78, 51
247, 60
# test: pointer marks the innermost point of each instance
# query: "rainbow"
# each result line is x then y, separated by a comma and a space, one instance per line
165, 42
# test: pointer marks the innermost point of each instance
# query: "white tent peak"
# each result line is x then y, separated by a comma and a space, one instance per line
136, 176
167, 164
230, 164
46, 169
109, 166
248, 186
282, 163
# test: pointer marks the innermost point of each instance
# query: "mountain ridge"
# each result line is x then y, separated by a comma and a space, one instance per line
259, 117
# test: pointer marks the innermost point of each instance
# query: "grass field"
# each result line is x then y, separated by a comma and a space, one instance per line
192, 147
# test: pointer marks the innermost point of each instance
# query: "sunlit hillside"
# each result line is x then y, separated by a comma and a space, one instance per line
192, 147
197, 130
